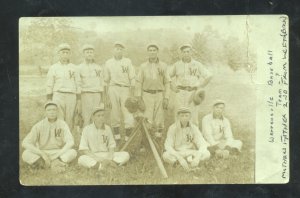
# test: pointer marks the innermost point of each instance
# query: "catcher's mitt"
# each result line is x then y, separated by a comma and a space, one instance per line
198, 96
134, 104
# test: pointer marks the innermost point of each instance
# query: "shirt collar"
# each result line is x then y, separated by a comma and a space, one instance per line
156, 60
100, 128
188, 125
215, 117
192, 60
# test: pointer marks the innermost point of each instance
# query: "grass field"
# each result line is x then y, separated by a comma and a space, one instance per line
235, 88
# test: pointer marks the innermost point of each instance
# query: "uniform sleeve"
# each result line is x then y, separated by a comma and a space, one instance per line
131, 73
169, 143
106, 74
68, 137
77, 79
227, 130
207, 131
172, 71
111, 140
102, 82
32, 137
204, 73
50, 80
199, 141
167, 81
139, 81
84, 140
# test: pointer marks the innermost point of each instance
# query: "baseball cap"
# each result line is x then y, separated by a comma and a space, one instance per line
152, 45
218, 101
64, 46
183, 110
87, 46
50, 103
185, 46
118, 43
98, 108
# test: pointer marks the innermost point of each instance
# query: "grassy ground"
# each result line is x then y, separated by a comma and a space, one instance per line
235, 88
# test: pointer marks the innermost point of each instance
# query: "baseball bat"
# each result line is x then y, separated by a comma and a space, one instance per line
155, 153
131, 137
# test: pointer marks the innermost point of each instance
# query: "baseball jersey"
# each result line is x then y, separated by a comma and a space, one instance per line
97, 140
179, 138
215, 129
47, 136
63, 78
152, 76
119, 72
92, 77
189, 74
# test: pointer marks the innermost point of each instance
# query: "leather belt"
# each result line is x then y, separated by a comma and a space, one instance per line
187, 88
153, 91
119, 85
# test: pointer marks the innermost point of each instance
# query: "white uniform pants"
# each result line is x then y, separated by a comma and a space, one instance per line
118, 96
89, 101
154, 110
171, 159
88, 162
30, 157
183, 99
66, 105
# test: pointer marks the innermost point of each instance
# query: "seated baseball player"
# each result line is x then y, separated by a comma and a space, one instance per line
185, 142
49, 141
97, 143
217, 132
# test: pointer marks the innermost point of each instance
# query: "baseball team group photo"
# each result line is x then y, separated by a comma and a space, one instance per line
136, 100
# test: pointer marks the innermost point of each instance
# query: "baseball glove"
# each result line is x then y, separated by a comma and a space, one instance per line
134, 104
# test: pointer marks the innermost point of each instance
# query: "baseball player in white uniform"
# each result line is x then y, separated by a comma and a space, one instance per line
189, 76
97, 143
63, 85
217, 131
153, 87
185, 142
92, 83
119, 75
49, 140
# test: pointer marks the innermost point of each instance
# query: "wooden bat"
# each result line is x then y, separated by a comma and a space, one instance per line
131, 136
155, 153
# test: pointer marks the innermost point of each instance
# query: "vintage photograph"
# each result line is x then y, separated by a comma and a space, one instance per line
137, 100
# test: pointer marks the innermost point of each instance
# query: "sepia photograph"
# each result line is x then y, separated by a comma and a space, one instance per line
143, 100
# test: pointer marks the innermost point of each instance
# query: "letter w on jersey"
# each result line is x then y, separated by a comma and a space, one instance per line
160, 71
189, 138
193, 72
98, 72
124, 69
71, 74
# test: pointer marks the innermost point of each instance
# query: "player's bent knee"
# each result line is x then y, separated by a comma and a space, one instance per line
86, 161
69, 156
167, 157
29, 157
205, 155
126, 157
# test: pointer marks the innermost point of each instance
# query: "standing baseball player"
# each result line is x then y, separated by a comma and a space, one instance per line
49, 140
153, 87
63, 85
97, 143
119, 77
92, 83
185, 142
190, 75
217, 131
